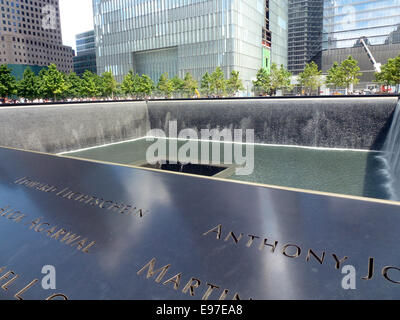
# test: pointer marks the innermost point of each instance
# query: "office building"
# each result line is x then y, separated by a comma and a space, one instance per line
279, 31
153, 37
86, 53
346, 21
30, 34
305, 33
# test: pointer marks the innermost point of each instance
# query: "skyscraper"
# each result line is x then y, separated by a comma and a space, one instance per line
305, 32
153, 37
30, 34
346, 21
86, 53
278, 10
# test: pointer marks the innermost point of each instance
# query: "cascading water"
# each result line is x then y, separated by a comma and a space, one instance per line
391, 157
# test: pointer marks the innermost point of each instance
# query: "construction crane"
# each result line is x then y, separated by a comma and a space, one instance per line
377, 66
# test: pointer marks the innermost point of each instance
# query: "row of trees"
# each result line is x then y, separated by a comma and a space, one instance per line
267, 83
347, 74
343, 75
50, 83
211, 84
339, 76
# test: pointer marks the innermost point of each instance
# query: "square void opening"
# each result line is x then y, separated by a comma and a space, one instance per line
196, 169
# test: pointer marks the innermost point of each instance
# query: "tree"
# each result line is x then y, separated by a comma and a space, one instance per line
190, 85
177, 83
206, 84
262, 85
128, 85
344, 75
351, 72
109, 84
91, 84
27, 87
234, 84
8, 84
310, 78
390, 74
280, 78
218, 82
146, 85
335, 77
52, 82
165, 86
74, 86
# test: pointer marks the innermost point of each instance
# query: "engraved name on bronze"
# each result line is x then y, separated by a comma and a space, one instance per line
53, 232
294, 251
11, 281
90, 200
192, 287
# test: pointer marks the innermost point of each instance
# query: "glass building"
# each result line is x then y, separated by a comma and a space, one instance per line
196, 36
279, 30
86, 53
85, 42
346, 21
305, 33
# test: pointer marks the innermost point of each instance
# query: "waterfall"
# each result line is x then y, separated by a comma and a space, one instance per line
391, 156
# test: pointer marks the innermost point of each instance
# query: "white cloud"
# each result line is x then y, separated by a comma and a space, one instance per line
76, 17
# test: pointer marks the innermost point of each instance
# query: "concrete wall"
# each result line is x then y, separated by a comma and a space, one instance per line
58, 128
354, 123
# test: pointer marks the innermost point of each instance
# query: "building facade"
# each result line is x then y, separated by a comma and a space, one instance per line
377, 22
346, 21
196, 36
279, 30
305, 33
30, 35
86, 53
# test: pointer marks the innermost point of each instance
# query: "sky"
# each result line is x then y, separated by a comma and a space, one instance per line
76, 17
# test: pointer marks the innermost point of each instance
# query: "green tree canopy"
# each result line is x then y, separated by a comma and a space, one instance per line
310, 78
280, 78
390, 74
52, 82
8, 84
28, 85
335, 77
262, 85
74, 86
177, 83
190, 84
218, 82
128, 85
344, 75
146, 85
351, 72
91, 84
234, 83
165, 85
109, 85
206, 84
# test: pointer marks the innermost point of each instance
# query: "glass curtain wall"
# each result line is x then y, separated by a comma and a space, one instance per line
346, 21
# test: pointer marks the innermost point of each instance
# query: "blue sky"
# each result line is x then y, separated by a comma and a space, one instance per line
76, 17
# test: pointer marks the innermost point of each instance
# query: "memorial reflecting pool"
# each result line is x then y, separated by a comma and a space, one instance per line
348, 172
